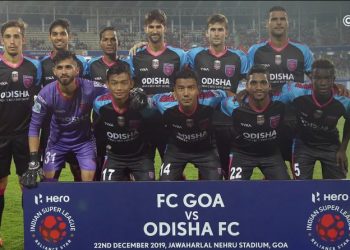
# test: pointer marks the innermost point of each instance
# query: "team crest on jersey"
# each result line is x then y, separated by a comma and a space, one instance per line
168, 68
278, 59
274, 121
230, 70
134, 124
204, 124
27, 81
260, 119
14, 76
318, 114
217, 64
155, 63
292, 64
189, 123
121, 121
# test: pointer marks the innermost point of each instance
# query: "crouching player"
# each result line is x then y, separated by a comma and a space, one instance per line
69, 100
318, 109
123, 126
187, 116
255, 123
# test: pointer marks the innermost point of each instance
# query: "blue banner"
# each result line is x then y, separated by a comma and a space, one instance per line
298, 215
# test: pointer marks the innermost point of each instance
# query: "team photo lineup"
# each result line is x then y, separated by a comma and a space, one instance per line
224, 110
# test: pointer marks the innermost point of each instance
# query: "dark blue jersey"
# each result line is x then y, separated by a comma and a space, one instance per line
254, 132
18, 85
317, 122
47, 68
286, 64
97, 68
123, 129
155, 71
218, 71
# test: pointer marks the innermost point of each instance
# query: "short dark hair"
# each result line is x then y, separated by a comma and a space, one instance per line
277, 8
323, 64
156, 15
60, 22
118, 69
63, 55
186, 73
217, 18
105, 29
13, 23
257, 69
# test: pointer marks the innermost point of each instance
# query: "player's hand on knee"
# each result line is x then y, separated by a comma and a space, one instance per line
138, 99
34, 173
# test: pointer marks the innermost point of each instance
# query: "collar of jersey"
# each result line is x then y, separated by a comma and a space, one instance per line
325, 104
278, 49
156, 53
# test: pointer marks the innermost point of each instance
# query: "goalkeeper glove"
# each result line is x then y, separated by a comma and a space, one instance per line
29, 178
138, 99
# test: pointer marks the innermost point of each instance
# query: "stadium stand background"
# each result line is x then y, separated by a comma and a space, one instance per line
318, 24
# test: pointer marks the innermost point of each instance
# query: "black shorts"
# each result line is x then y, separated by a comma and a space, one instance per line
242, 165
175, 160
305, 157
119, 169
16, 147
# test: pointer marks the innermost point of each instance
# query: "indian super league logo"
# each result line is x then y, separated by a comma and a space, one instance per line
121, 121
27, 81
274, 121
230, 70
189, 123
168, 69
260, 119
14, 76
278, 59
217, 64
292, 64
155, 63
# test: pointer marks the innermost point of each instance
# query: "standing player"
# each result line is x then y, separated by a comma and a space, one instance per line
20, 79
319, 108
154, 68
219, 67
59, 35
189, 124
287, 61
123, 129
70, 101
255, 130
97, 68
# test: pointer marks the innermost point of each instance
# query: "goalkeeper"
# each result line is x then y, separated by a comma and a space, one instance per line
69, 100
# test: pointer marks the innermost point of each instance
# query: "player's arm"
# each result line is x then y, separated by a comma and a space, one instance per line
228, 105
342, 160
137, 46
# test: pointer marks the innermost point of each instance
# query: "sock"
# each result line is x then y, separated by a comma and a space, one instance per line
2, 203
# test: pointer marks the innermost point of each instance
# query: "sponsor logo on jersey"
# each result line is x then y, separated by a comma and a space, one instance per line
192, 137
247, 125
260, 119
278, 59
109, 124
3, 83
14, 94
274, 121
204, 69
155, 63
168, 69
281, 76
27, 81
216, 81
217, 64
260, 136
156, 80
49, 78
230, 70
14, 76
123, 137
143, 69
292, 64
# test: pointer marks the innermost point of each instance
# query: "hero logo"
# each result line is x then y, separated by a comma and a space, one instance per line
317, 197
39, 199
282, 76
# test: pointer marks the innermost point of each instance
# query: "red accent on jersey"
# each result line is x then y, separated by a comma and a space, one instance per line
156, 53
192, 111
116, 108
207, 94
167, 98
278, 49
314, 98
217, 54
303, 85
107, 63
256, 109
10, 64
